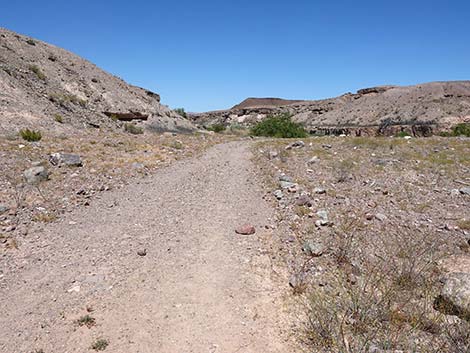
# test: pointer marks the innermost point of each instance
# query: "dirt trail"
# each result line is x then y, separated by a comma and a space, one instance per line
200, 288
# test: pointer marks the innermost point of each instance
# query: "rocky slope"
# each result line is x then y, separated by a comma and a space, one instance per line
46, 87
438, 104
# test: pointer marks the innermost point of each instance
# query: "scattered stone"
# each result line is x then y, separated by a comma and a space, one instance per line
284, 177
297, 144
327, 146
313, 160
313, 248
319, 191
304, 200
381, 217
4, 208
455, 296
137, 165
273, 154
142, 252
67, 159
278, 194
455, 192
465, 190
322, 214
369, 216
245, 229
35, 175
288, 185
74, 289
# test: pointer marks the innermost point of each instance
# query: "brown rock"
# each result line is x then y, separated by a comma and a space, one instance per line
245, 229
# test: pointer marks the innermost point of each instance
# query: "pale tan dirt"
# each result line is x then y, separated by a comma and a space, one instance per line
200, 288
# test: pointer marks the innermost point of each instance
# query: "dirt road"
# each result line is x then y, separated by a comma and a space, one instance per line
200, 287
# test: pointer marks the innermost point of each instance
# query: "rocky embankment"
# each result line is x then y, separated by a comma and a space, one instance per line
48, 88
420, 110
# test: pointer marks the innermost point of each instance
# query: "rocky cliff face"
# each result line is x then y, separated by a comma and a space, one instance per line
386, 109
43, 86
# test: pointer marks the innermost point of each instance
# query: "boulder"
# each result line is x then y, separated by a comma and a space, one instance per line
455, 296
313, 248
35, 175
67, 159
465, 190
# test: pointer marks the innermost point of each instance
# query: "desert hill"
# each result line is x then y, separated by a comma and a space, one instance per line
43, 86
440, 104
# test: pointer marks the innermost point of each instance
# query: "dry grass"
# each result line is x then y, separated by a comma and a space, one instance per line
375, 288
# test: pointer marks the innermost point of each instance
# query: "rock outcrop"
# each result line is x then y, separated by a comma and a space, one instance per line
46, 87
419, 110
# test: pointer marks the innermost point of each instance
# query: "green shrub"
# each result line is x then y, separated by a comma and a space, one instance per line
216, 127
133, 129
462, 129
38, 72
30, 135
100, 344
402, 134
280, 126
58, 118
64, 99
181, 112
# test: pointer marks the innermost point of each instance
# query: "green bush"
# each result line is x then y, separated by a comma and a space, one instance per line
133, 129
30, 135
58, 118
38, 72
280, 126
181, 112
462, 129
64, 99
402, 134
216, 127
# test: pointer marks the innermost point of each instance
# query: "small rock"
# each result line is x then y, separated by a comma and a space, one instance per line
273, 154
142, 252
297, 144
245, 229
304, 200
327, 146
4, 208
381, 217
313, 160
284, 177
465, 191
137, 165
369, 216
288, 185
313, 248
322, 214
278, 194
67, 159
35, 175
75, 289
319, 191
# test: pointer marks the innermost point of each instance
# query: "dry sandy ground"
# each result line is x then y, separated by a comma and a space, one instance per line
200, 287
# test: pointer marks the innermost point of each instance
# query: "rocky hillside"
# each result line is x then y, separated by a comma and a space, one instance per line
438, 104
264, 103
46, 87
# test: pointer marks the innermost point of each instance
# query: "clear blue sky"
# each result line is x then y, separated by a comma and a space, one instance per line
207, 54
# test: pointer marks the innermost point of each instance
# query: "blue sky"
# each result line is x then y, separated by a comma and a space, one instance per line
207, 54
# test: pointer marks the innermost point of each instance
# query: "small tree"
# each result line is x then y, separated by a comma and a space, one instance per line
280, 126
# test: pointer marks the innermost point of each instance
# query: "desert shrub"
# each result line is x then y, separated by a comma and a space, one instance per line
31, 42
402, 134
58, 118
384, 301
280, 126
216, 127
40, 75
30, 135
100, 344
133, 129
86, 320
181, 112
64, 99
462, 129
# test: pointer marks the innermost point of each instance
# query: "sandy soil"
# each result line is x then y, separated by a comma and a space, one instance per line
199, 288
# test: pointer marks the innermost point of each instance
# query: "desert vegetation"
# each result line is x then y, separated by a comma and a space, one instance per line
280, 126
367, 239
